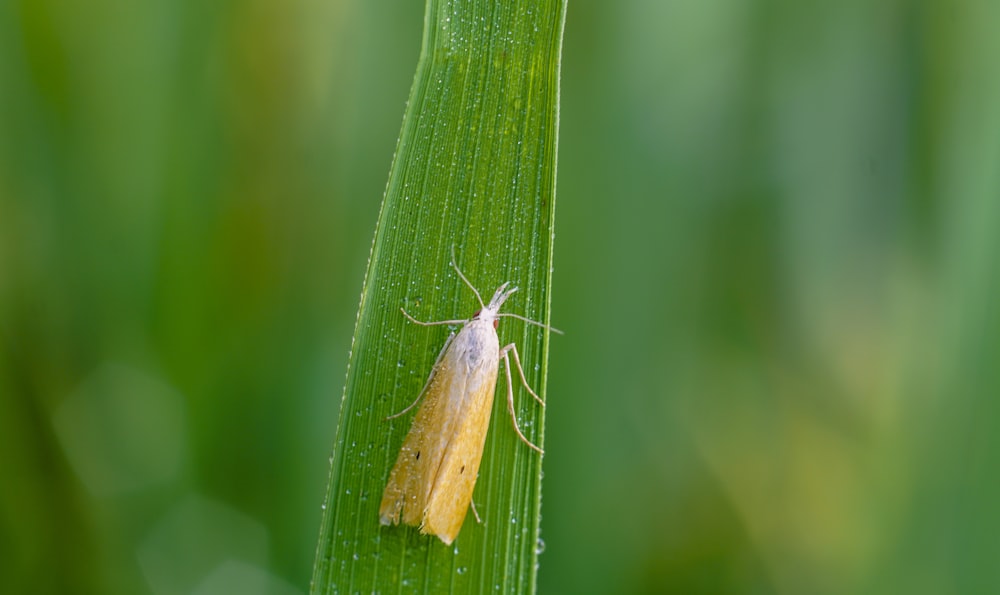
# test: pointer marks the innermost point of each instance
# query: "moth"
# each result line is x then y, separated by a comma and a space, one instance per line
431, 484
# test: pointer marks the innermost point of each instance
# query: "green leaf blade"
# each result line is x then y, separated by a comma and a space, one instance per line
474, 171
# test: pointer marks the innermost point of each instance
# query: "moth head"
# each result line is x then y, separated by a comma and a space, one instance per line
493, 308
499, 297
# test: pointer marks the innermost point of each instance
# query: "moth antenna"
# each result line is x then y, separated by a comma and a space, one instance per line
454, 263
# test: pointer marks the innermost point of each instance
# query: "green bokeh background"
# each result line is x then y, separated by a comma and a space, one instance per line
776, 263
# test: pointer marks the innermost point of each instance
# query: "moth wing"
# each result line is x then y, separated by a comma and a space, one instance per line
412, 477
448, 502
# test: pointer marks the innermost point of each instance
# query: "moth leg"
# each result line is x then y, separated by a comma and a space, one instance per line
439, 322
475, 512
429, 378
517, 359
510, 395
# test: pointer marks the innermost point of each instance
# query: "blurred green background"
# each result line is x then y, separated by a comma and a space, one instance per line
776, 262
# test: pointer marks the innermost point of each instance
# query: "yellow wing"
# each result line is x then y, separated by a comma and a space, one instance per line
411, 478
456, 479
433, 479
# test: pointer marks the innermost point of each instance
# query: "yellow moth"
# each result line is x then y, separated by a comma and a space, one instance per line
431, 484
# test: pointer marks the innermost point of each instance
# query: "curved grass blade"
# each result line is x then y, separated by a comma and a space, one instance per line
474, 169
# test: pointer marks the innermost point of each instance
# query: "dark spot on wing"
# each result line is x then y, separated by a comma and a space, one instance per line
418, 455
475, 353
